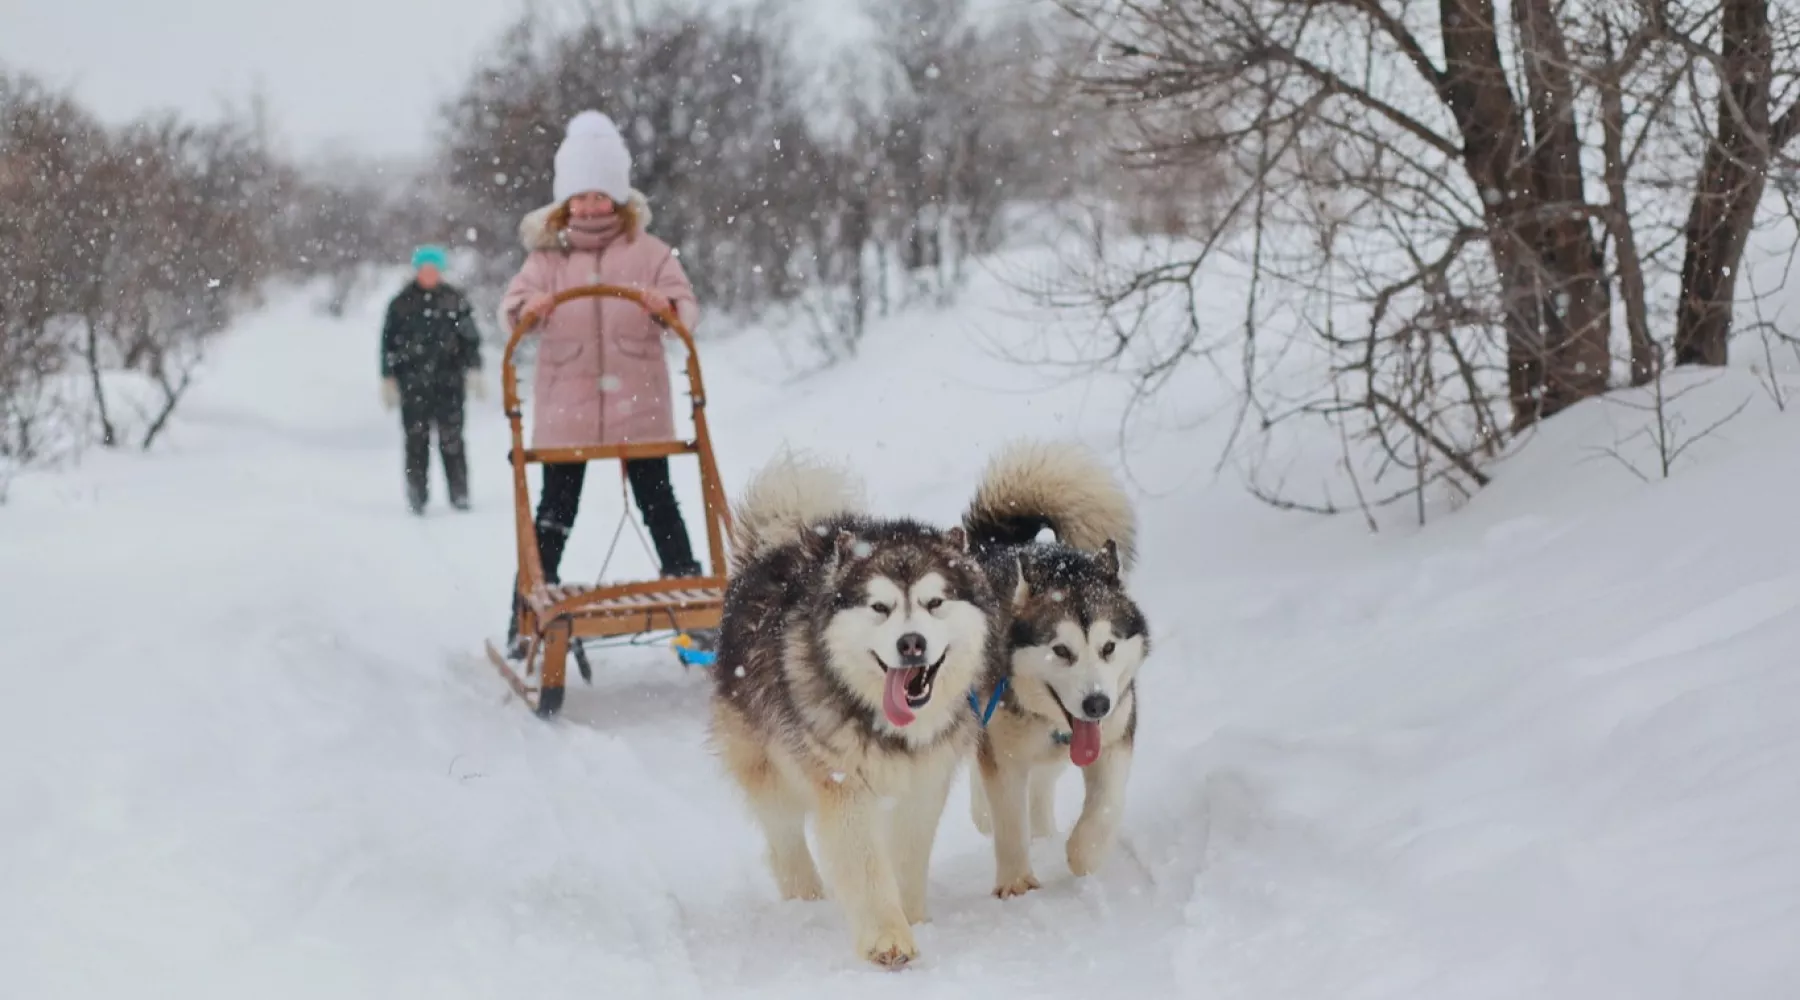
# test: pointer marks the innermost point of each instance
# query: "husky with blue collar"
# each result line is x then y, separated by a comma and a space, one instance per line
848, 649
1075, 641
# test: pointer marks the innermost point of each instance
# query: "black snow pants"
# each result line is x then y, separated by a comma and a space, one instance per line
655, 496
423, 407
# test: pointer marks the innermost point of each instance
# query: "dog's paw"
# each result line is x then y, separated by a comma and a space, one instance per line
890, 948
1016, 887
1087, 849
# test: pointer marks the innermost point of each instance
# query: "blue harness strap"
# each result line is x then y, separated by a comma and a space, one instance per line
984, 714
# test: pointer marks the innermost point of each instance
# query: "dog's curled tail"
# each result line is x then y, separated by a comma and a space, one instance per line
785, 498
1032, 485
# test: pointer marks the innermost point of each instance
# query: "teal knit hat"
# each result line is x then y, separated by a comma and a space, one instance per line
429, 254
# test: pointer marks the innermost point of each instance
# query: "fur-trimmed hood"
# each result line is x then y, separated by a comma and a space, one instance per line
535, 233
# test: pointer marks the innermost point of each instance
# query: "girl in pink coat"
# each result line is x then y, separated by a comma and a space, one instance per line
601, 374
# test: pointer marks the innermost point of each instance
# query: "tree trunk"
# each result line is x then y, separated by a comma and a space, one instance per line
1554, 293
1730, 187
1578, 308
108, 436
1646, 356
1493, 150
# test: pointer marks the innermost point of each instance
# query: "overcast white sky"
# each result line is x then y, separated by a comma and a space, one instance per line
366, 74
358, 75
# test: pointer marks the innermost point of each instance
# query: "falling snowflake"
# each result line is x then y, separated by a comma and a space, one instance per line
862, 550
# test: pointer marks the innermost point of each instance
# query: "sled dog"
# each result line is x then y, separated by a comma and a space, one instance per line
848, 651
1075, 642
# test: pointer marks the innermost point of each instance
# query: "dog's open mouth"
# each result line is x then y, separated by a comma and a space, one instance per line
905, 690
1084, 736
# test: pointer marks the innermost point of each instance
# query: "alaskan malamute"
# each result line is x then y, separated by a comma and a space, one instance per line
1075, 642
848, 651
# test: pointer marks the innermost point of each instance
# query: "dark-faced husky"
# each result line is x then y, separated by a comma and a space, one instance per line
1075, 642
848, 651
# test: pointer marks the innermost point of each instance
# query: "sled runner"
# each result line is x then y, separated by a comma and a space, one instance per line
555, 618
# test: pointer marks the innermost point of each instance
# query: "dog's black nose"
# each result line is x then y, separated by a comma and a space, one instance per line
912, 650
1096, 705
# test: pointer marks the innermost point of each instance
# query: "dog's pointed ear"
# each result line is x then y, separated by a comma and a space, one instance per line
1109, 559
958, 538
1021, 590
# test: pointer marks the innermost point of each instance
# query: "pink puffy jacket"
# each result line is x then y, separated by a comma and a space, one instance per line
602, 376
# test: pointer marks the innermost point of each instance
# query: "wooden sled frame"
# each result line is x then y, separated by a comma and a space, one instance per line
553, 617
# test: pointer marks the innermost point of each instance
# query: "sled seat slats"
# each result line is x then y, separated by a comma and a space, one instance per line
629, 602
595, 612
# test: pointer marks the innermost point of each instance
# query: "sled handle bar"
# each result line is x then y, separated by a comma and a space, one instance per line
667, 319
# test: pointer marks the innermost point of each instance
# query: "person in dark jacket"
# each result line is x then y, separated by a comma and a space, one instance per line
431, 356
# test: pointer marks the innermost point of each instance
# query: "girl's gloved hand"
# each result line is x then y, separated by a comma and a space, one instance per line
537, 308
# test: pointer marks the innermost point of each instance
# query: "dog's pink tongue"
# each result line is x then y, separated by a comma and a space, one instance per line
893, 698
1084, 744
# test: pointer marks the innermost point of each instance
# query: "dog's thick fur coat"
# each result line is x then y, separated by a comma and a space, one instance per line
1075, 642
848, 648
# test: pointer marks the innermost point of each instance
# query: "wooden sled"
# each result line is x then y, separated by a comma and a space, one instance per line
554, 618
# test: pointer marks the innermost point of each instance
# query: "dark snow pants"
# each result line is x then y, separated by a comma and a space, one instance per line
655, 496
424, 407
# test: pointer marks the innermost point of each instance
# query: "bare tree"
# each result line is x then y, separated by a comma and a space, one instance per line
1412, 192
833, 195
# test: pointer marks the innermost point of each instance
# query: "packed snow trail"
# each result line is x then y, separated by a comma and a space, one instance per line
1544, 748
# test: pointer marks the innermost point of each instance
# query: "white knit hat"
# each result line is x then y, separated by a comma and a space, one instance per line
592, 157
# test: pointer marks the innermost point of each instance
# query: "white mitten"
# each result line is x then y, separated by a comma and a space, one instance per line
476, 387
390, 393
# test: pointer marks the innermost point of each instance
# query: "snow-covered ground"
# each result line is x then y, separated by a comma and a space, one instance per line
1547, 747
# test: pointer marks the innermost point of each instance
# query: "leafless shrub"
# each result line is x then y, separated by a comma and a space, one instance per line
121, 252
1667, 429
47, 144
341, 218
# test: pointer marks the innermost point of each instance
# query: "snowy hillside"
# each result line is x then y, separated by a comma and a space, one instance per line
1544, 748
